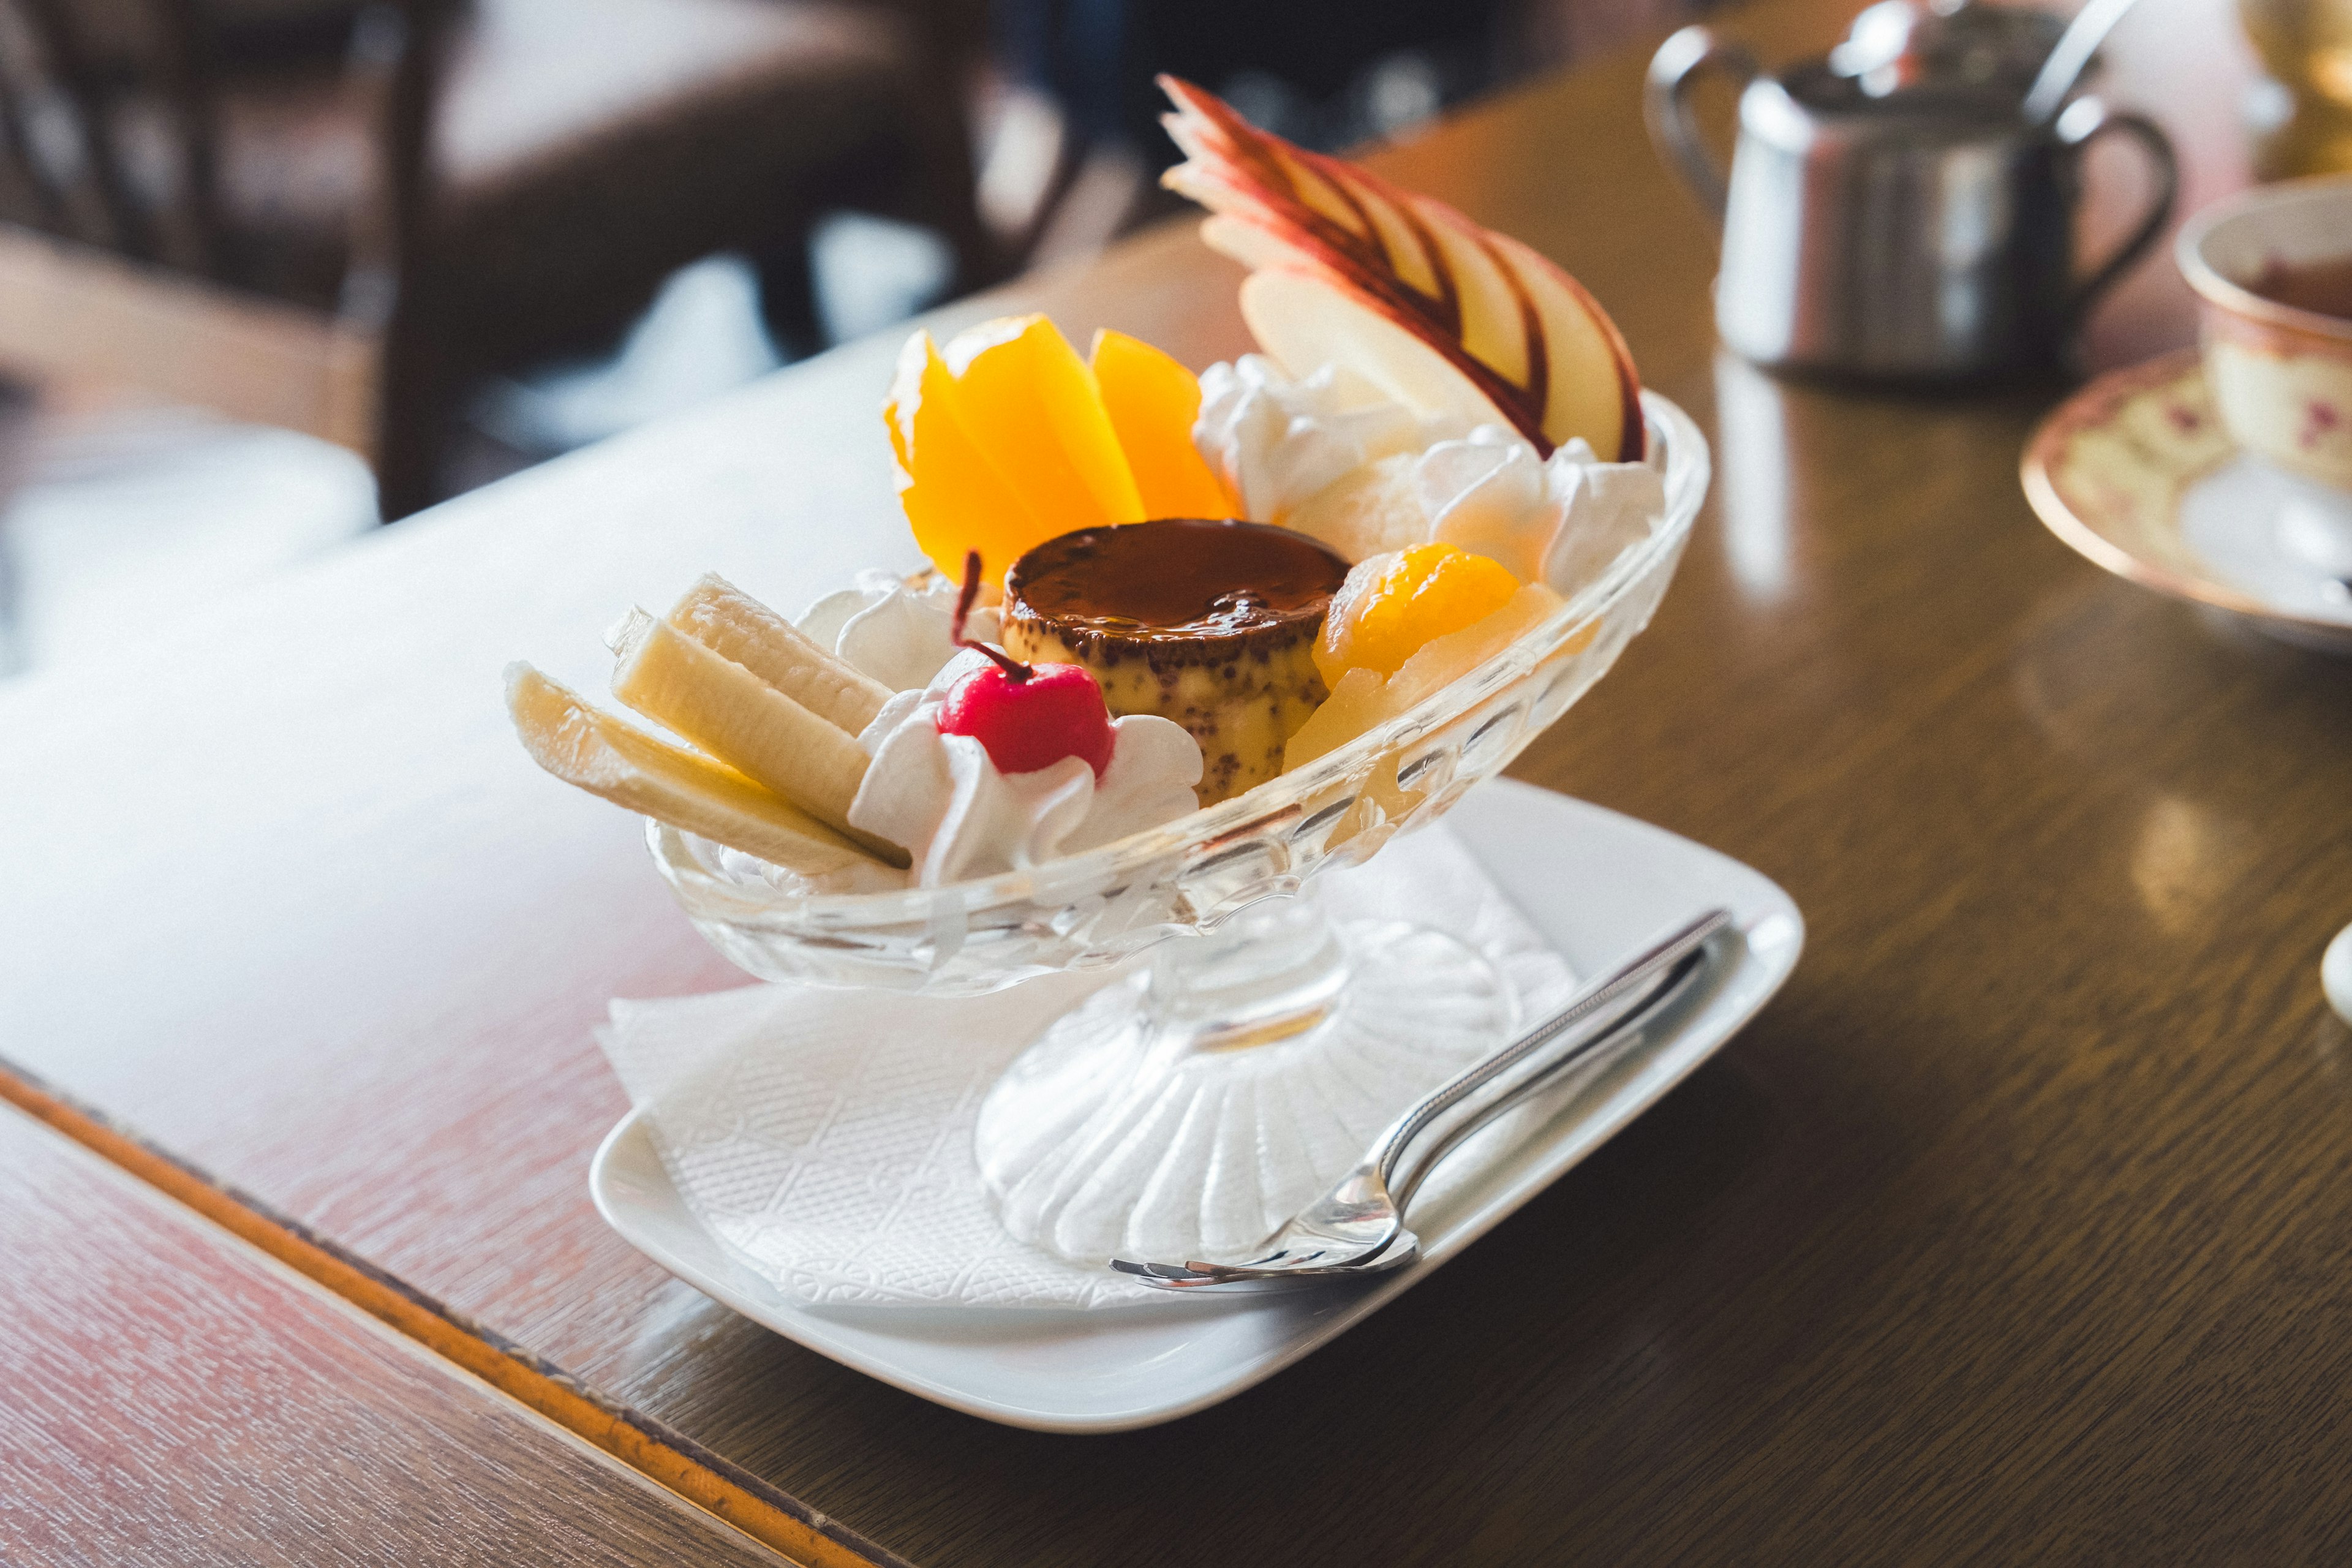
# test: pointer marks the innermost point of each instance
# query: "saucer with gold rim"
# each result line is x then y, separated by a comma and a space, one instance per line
2137, 474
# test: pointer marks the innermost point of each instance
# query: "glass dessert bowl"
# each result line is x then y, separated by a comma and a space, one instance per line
1215, 635
1248, 978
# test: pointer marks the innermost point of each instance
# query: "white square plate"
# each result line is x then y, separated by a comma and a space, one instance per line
1598, 885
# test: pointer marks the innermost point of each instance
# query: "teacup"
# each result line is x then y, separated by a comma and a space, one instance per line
2273, 269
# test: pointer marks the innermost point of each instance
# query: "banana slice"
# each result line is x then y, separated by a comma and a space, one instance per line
601, 754
743, 722
735, 626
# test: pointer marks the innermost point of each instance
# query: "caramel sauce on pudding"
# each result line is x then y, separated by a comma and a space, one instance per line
2323, 288
1183, 581
1211, 625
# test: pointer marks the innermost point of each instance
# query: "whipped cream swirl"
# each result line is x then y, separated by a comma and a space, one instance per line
1335, 457
891, 630
1276, 441
1559, 520
942, 799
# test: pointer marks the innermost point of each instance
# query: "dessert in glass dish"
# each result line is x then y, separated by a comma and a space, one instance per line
1185, 643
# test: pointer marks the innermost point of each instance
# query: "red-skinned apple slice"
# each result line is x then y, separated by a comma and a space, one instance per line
1494, 312
1580, 334
1511, 335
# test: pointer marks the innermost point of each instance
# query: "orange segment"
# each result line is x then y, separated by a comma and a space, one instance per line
1444, 659
1032, 406
1391, 605
954, 498
1152, 402
1363, 698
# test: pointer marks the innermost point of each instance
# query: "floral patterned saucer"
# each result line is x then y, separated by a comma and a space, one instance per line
2136, 473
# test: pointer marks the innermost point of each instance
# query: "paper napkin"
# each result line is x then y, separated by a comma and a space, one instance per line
825, 1136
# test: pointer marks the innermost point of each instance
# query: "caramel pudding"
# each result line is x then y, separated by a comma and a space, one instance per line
1211, 624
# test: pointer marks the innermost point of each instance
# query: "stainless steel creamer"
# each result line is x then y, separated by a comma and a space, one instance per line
1891, 212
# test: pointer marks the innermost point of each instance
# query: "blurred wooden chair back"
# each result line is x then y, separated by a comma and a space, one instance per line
116, 266
339, 242
80, 107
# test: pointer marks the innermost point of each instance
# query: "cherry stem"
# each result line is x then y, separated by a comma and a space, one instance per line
964, 601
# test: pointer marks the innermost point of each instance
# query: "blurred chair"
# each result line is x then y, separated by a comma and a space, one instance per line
459, 188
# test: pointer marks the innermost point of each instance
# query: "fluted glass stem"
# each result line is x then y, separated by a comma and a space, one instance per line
1273, 971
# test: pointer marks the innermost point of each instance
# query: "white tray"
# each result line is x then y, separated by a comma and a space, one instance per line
1599, 886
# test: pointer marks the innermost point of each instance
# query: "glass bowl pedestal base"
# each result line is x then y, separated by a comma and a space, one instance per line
1191, 1109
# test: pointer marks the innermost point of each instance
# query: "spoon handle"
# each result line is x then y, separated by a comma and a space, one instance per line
1643, 969
1620, 1034
2069, 57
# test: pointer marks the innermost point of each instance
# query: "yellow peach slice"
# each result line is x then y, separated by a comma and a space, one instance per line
954, 498
1032, 406
1152, 402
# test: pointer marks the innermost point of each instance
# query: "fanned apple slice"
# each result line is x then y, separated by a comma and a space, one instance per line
1579, 332
605, 757
1509, 333
1403, 234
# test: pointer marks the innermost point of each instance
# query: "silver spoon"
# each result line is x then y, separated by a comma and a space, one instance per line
2069, 57
1357, 1227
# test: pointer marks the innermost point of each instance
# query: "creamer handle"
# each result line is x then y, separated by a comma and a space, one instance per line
2085, 120
1666, 106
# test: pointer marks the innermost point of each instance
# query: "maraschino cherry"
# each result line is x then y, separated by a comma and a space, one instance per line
1025, 717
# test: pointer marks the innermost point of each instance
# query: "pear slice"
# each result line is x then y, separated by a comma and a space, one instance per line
1354, 706
743, 722
605, 757
1030, 402
1442, 660
735, 626
1368, 511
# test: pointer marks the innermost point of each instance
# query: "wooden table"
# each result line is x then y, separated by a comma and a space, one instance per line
173, 1397
2017, 1229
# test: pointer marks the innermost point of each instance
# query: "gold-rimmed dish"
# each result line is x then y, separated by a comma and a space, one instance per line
2137, 474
